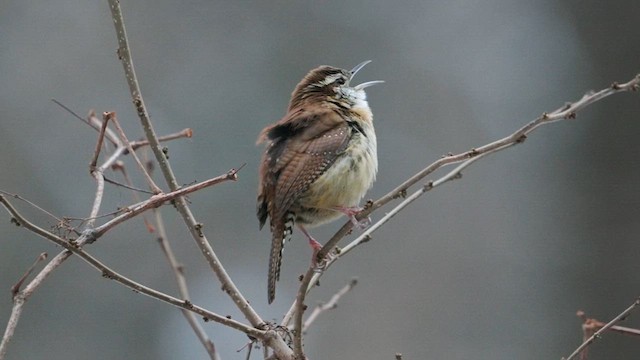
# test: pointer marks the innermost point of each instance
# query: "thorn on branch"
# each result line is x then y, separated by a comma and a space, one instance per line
198, 227
428, 186
615, 85
137, 102
400, 194
180, 268
15, 289
225, 288
521, 139
106, 275
188, 304
366, 239
473, 152
368, 204
571, 115
545, 116
165, 151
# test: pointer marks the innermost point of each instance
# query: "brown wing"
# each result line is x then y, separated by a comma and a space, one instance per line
300, 148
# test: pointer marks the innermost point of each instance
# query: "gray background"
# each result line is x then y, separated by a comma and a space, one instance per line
493, 266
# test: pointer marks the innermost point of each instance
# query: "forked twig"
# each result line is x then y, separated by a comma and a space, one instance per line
565, 112
607, 326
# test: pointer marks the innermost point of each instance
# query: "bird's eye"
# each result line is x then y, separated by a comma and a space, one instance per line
340, 81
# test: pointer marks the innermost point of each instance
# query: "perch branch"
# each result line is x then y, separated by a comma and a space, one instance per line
568, 111
195, 228
331, 304
607, 326
178, 271
72, 247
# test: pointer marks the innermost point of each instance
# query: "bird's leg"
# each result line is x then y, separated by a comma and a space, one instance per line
351, 213
316, 246
318, 266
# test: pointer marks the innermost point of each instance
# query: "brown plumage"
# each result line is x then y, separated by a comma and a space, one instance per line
319, 160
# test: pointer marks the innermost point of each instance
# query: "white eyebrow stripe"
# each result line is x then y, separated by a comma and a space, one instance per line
329, 79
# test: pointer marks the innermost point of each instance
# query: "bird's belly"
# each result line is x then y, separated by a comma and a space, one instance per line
342, 185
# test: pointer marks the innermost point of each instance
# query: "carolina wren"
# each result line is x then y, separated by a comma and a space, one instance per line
319, 161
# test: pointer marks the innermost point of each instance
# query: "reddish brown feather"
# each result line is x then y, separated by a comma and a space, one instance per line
291, 165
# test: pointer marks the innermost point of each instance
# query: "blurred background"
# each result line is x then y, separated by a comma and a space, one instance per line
492, 266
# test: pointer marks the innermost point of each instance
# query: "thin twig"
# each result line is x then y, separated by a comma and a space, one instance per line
607, 326
16, 311
195, 228
185, 133
565, 112
313, 275
72, 247
129, 187
123, 138
157, 200
178, 271
15, 289
19, 298
34, 205
136, 196
98, 174
96, 152
331, 304
92, 121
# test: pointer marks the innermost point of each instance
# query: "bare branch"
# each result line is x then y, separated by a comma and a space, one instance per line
129, 187
15, 289
607, 326
123, 138
16, 196
96, 152
565, 112
73, 248
157, 200
331, 304
185, 133
16, 311
195, 228
19, 298
519, 136
178, 271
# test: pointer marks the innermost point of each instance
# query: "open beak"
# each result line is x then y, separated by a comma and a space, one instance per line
366, 84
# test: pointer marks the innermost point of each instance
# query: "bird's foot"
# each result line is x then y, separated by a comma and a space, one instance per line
351, 213
318, 265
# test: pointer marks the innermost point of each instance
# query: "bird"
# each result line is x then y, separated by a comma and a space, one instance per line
319, 160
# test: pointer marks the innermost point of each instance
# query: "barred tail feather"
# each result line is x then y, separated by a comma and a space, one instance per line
281, 231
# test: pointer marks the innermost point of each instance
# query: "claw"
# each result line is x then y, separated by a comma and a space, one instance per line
351, 213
